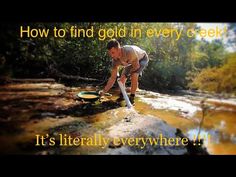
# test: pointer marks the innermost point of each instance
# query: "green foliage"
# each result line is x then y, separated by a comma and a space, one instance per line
163, 75
221, 79
171, 59
208, 54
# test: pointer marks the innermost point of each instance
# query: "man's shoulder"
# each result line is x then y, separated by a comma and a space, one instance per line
128, 47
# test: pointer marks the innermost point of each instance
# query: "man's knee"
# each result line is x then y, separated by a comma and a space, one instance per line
123, 78
134, 75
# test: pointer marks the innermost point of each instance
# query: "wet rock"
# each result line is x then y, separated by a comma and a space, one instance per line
115, 145
30, 146
55, 151
48, 114
61, 116
78, 113
35, 121
138, 128
43, 153
5, 119
193, 149
127, 119
10, 128
68, 128
57, 86
75, 134
6, 107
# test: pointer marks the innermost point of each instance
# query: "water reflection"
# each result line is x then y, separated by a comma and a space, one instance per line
219, 125
209, 136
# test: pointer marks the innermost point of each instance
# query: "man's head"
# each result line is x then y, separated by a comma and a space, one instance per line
114, 49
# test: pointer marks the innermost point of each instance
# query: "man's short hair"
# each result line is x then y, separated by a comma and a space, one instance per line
113, 43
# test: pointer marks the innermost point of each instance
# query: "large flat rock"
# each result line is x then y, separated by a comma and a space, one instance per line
132, 134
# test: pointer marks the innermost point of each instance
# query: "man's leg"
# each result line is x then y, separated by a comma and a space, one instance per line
123, 79
134, 82
135, 76
134, 86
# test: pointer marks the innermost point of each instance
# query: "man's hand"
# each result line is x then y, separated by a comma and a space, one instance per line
101, 92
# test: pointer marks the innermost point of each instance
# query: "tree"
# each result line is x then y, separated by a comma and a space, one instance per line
221, 79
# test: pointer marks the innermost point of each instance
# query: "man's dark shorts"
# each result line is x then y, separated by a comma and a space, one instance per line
143, 64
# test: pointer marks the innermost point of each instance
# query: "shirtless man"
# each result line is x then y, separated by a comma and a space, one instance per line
133, 58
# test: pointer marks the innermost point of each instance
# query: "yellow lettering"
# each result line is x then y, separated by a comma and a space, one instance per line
150, 33
184, 141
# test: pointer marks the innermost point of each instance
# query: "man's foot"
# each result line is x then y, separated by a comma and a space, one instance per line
121, 98
131, 99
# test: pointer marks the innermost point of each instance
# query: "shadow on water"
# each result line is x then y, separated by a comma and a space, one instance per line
85, 109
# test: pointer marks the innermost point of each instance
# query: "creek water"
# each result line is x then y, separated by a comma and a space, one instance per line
39, 108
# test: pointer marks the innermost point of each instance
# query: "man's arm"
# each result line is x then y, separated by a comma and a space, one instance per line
111, 80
